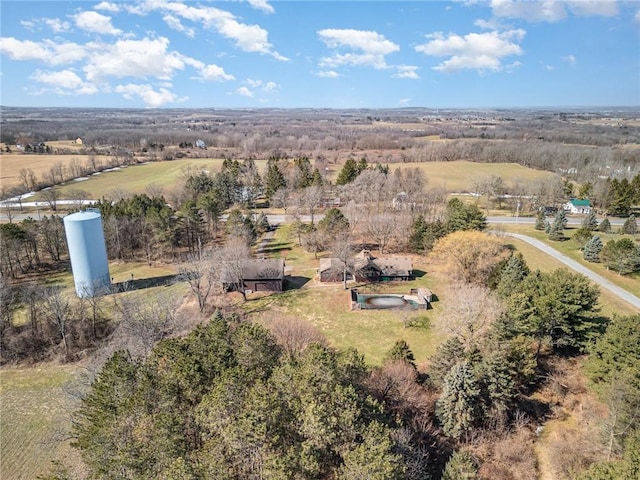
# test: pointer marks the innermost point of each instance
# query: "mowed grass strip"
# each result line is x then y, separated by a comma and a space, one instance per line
34, 409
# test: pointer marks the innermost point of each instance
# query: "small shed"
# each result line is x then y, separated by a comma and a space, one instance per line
263, 275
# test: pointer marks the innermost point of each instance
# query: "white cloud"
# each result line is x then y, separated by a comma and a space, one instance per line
533, 11
56, 25
151, 97
245, 92
261, 5
550, 68
249, 38
570, 59
479, 51
214, 73
552, 10
603, 8
253, 83
372, 45
265, 87
65, 82
637, 17
404, 101
328, 74
135, 58
46, 51
175, 24
95, 22
407, 71
107, 7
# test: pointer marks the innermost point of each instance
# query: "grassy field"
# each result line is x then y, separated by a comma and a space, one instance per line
453, 176
456, 176
35, 412
11, 164
137, 178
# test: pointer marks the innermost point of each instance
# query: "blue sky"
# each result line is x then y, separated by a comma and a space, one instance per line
327, 54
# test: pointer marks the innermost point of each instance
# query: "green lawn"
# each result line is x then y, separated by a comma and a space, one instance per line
34, 415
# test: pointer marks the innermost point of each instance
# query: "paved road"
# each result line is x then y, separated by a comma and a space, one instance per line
600, 280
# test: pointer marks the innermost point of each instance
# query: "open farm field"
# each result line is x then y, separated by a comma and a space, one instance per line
452, 176
135, 179
456, 176
11, 164
35, 412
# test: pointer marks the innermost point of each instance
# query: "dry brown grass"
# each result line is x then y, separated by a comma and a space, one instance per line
35, 412
12, 163
572, 439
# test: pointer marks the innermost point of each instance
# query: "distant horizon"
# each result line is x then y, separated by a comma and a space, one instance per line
440, 54
417, 107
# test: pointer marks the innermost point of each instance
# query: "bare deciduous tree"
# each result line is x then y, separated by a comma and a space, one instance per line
382, 227
201, 271
144, 321
294, 334
472, 313
312, 196
58, 311
232, 258
51, 197
343, 249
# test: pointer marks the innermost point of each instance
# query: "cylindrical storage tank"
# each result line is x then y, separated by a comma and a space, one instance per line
88, 252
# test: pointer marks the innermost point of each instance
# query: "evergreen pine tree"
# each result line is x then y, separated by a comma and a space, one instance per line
547, 227
556, 232
561, 219
540, 220
460, 467
275, 178
514, 271
401, 351
460, 406
447, 355
418, 229
590, 221
605, 226
630, 226
592, 249
348, 173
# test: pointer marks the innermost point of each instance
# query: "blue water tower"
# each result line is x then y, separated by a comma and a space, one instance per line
88, 252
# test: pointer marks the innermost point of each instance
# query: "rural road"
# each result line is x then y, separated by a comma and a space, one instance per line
603, 282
